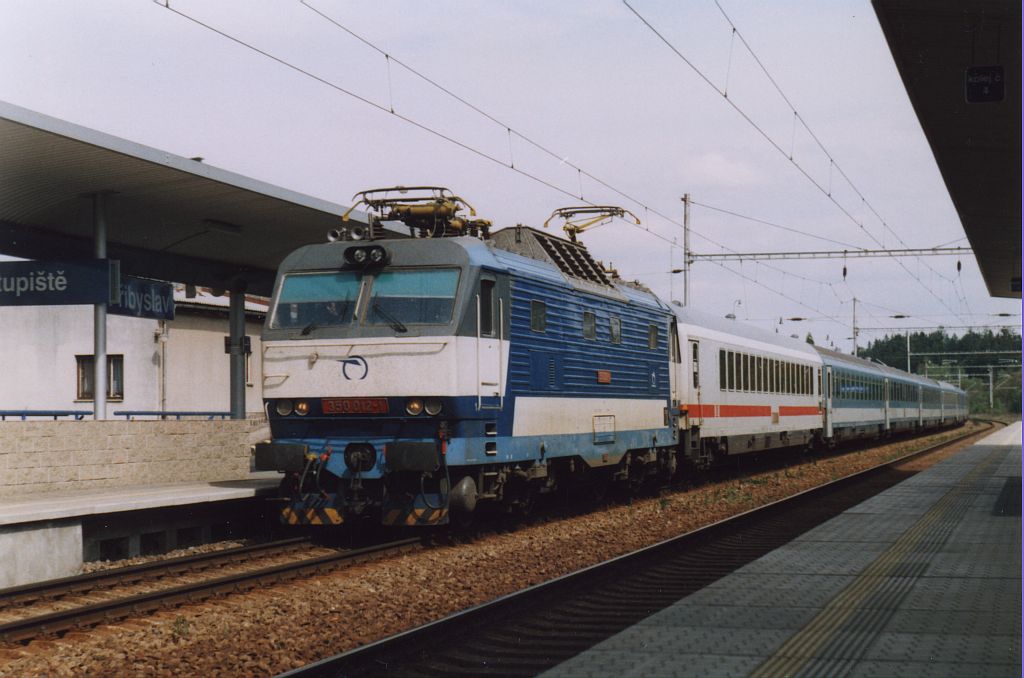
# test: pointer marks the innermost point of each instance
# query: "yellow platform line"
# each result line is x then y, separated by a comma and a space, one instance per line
795, 653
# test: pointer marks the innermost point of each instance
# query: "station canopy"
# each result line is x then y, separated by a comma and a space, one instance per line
168, 217
960, 63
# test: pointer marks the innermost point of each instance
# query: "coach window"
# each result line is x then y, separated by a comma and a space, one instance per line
731, 363
746, 372
589, 325
87, 382
652, 337
673, 343
538, 316
721, 369
615, 329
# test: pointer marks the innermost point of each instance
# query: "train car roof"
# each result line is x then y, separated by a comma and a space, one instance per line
689, 316
831, 356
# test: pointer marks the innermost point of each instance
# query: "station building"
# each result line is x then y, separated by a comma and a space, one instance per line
153, 365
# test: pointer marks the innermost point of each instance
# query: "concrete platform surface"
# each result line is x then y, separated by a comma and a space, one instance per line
923, 579
64, 505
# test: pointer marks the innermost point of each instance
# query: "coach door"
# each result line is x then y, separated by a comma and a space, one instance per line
826, 396
489, 321
694, 384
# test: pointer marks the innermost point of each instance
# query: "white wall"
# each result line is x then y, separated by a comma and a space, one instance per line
198, 371
38, 345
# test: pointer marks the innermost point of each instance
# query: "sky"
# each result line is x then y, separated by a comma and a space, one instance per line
581, 99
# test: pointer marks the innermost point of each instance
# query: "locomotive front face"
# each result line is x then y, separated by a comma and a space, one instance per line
365, 375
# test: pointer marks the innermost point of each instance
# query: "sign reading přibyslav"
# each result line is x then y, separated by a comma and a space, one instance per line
143, 298
46, 283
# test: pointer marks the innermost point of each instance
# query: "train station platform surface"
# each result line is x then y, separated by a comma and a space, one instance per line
923, 579
51, 535
54, 506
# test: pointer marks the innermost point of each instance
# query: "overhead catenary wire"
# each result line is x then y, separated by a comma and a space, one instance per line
482, 154
825, 191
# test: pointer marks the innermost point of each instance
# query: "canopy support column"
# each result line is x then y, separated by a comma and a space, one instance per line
236, 350
99, 331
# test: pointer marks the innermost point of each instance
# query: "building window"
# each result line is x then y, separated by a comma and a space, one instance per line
87, 377
538, 316
589, 325
615, 328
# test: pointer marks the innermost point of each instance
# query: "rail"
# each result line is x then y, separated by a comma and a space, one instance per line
59, 622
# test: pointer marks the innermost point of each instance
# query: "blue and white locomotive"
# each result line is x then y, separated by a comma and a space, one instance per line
408, 380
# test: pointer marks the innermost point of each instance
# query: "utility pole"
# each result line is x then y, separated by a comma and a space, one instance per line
991, 403
686, 249
855, 327
908, 352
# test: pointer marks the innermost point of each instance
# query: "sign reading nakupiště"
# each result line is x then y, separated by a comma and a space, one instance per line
49, 283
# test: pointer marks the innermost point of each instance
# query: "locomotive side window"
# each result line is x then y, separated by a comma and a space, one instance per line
487, 307
538, 316
615, 329
652, 337
589, 325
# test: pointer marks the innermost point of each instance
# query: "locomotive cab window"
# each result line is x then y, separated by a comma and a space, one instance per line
417, 297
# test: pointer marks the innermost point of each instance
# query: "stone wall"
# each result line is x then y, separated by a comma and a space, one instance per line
61, 456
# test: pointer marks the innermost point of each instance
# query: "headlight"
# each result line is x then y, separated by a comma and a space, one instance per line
376, 255
414, 406
284, 407
302, 408
432, 406
359, 255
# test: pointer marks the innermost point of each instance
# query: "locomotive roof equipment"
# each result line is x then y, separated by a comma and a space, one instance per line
428, 211
592, 215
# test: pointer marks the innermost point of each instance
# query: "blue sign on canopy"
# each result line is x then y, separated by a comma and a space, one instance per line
47, 283
143, 298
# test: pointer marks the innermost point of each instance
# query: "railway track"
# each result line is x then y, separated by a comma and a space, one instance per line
528, 632
121, 607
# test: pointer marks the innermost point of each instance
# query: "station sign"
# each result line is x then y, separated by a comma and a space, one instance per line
142, 298
52, 283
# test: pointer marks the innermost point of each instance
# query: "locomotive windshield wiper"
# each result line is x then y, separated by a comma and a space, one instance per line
396, 325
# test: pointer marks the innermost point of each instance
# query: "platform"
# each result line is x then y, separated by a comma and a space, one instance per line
923, 579
50, 536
